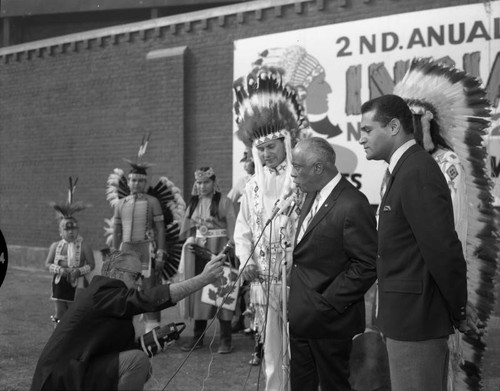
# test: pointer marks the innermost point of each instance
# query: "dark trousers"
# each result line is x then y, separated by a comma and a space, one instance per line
320, 362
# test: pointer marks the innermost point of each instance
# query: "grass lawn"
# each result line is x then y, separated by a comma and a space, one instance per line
25, 327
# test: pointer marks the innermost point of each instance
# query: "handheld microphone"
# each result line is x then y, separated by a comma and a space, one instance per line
280, 206
227, 251
206, 254
227, 248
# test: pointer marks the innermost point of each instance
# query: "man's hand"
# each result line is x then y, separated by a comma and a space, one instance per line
213, 269
471, 326
211, 273
250, 272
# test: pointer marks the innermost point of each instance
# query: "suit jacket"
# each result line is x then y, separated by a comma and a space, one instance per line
98, 323
333, 266
421, 268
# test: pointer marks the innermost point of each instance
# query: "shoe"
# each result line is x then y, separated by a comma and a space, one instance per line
225, 338
236, 328
193, 345
225, 348
255, 361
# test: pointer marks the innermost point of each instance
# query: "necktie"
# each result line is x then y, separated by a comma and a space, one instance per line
385, 182
383, 188
309, 217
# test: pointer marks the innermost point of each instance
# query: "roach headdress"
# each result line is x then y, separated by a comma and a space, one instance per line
66, 210
140, 167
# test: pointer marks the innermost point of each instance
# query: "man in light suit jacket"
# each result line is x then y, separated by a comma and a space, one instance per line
333, 267
420, 265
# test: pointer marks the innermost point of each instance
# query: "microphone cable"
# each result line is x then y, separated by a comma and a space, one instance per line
216, 313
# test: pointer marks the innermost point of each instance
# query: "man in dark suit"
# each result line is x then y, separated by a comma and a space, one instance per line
93, 346
420, 265
333, 267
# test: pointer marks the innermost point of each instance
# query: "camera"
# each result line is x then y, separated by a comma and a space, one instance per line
157, 339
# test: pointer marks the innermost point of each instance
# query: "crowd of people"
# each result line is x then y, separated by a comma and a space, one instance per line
307, 246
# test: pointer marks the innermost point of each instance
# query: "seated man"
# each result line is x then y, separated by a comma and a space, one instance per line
93, 346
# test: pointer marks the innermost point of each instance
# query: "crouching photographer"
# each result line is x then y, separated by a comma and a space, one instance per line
93, 347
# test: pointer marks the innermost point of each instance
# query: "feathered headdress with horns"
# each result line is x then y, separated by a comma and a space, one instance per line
266, 109
66, 210
455, 113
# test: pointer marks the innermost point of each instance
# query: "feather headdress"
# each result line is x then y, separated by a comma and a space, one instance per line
66, 210
139, 167
454, 109
266, 109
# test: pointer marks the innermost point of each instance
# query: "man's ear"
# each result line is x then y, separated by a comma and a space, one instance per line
318, 168
395, 125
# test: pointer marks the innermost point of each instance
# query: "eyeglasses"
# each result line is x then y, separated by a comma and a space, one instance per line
136, 275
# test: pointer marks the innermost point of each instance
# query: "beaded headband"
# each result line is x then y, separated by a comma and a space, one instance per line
201, 175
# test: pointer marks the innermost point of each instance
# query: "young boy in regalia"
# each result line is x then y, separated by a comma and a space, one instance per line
70, 258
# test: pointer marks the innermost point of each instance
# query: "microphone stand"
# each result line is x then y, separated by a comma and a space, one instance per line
284, 305
287, 259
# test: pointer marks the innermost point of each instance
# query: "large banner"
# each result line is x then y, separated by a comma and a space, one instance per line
338, 67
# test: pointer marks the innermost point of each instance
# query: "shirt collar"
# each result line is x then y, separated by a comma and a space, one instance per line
278, 170
398, 153
328, 188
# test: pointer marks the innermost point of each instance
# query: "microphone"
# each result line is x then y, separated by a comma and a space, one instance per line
280, 206
227, 248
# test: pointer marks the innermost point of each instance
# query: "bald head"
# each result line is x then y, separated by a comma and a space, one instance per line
313, 162
318, 149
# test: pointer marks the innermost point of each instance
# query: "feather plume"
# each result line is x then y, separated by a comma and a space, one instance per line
144, 146
71, 189
69, 208
461, 112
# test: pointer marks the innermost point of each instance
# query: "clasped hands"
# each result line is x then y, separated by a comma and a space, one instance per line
71, 274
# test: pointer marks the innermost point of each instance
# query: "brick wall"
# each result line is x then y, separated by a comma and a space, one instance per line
80, 114
78, 109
